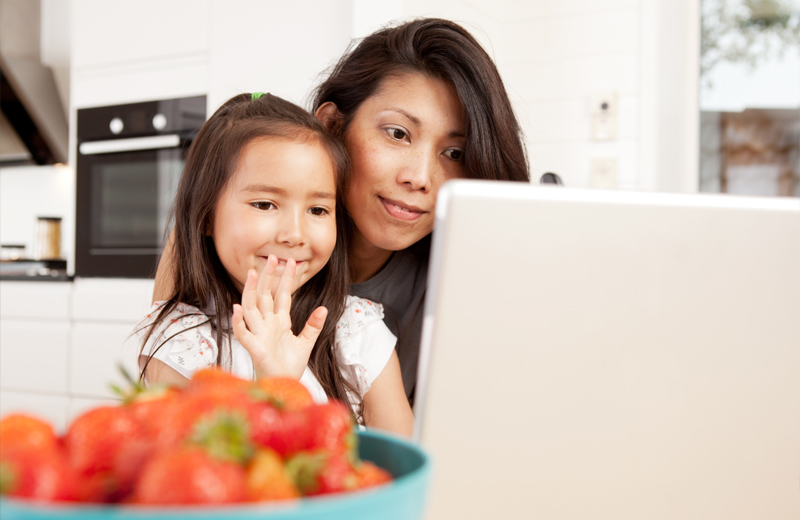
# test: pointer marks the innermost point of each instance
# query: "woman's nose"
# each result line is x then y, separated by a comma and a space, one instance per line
419, 172
292, 229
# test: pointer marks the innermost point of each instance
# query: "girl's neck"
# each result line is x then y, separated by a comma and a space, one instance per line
366, 259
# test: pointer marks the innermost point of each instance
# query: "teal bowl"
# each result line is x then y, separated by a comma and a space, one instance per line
403, 499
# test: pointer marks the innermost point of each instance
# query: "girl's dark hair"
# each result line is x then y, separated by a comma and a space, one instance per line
444, 50
200, 278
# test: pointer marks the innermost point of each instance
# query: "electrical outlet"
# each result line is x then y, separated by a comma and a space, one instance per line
603, 173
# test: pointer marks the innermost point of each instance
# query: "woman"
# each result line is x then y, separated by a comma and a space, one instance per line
415, 105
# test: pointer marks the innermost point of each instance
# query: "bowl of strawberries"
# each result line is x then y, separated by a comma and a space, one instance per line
221, 448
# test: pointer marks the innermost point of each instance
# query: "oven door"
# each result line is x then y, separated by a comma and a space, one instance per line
125, 190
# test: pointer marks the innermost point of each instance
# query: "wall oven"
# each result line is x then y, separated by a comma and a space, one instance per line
130, 159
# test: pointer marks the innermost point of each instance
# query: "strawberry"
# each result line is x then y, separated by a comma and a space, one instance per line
285, 393
149, 407
94, 438
182, 413
216, 377
37, 473
330, 426
16, 429
369, 475
189, 475
321, 472
267, 478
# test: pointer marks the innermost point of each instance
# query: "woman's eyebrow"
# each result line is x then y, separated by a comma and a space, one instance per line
414, 119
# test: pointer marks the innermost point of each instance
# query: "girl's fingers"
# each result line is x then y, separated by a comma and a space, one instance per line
251, 313
239, 326
264, 287
311, 331
283, 296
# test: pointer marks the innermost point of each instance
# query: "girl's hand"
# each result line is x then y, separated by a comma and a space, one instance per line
264, 327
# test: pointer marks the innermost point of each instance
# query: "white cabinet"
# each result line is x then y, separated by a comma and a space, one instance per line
33, 355
104, 313
39, 300
61, 343
111, 299
98, 349
128, 52
52, 408
110, 34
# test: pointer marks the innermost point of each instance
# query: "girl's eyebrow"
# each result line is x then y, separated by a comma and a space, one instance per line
414, 119
264, 188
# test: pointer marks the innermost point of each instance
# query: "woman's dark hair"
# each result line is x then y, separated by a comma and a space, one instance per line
444, 50
200, 278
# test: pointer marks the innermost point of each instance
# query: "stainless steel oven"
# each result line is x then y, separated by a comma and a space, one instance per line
130, 159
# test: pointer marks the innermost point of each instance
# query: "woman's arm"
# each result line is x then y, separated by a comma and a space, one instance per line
385, 403
158, 372
164, 282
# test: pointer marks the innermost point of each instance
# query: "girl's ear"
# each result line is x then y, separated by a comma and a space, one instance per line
328, 113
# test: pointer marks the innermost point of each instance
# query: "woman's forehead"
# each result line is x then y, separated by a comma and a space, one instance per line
418, 96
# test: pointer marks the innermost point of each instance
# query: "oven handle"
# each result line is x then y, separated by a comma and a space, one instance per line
127, 145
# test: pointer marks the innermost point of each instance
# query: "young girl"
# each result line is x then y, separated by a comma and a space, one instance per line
261, 274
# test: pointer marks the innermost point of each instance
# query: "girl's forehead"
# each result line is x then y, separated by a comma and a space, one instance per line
284, 160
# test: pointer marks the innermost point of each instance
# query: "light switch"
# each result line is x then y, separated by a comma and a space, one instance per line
603, 173
604, 116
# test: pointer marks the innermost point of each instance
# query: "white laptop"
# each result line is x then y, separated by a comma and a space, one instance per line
611, 355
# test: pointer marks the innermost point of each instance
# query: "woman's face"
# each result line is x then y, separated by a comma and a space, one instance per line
404, 142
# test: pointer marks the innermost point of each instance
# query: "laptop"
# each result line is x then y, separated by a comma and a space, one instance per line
611, 355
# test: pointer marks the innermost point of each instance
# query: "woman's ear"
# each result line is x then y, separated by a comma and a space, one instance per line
328, 113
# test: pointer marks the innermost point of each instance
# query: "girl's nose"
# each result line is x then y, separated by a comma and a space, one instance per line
292, 230
419, 172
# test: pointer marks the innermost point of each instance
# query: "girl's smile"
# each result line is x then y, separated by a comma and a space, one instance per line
281, 200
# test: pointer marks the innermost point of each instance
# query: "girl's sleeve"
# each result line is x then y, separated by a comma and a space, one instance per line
364, 342
184, 340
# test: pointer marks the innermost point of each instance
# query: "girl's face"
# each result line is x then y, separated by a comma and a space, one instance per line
280, 200
404, 142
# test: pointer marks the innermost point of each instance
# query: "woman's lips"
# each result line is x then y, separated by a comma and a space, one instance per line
401, 211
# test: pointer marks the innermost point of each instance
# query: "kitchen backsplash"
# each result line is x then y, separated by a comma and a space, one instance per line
28, 192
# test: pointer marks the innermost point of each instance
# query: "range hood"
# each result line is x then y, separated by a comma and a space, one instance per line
32, 107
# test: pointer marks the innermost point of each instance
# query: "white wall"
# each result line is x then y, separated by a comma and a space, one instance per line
555, 55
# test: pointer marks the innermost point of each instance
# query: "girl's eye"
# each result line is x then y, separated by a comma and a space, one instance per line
263, 206
397, 133
318, 212
455, 154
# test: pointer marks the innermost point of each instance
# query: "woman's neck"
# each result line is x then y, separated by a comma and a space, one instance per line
366, 259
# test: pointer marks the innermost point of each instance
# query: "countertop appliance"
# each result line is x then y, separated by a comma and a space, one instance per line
130, 159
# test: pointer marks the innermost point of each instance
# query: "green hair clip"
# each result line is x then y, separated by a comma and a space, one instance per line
257, 95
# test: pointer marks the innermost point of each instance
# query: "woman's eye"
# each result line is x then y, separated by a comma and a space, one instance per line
263, 206
397, 133
318, 212
455, 154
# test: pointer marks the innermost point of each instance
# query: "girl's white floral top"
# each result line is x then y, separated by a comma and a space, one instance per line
186, 342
